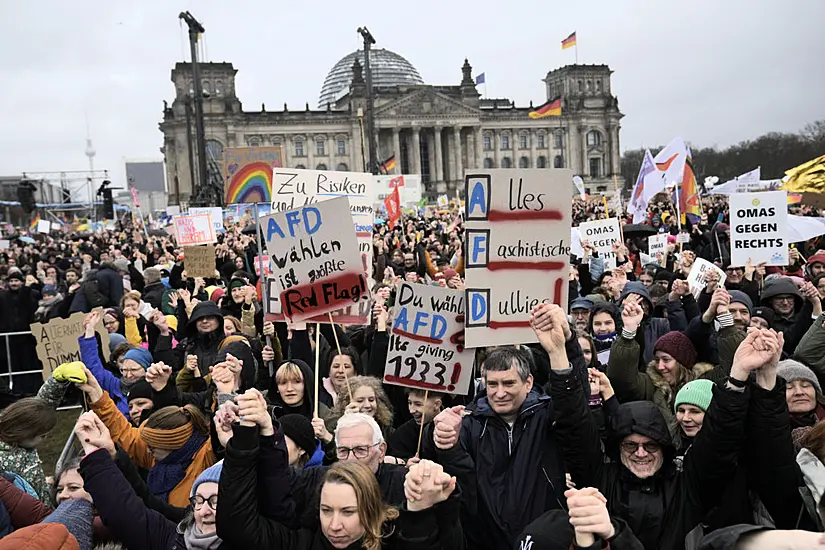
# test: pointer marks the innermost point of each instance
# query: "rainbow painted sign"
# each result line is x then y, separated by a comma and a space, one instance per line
247, 173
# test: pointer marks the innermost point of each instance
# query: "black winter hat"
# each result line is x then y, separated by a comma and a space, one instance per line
549, 531
299, 429
140, 390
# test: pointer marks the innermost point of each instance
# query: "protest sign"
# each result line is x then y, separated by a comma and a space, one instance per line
295, 188
426, 349
43, 226
759, 228
409, 188
315, 259
656, 244
697, 278
443, 201
215, 211
602, 234
193, 230
57, 341
173, 210
267, 267
576, 247
247, 173
4, 245
199, 261
517, 251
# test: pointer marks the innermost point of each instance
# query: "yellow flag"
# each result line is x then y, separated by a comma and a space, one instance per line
807, 178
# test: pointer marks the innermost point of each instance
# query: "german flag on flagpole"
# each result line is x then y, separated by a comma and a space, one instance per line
569, 42
550, 108
388, 165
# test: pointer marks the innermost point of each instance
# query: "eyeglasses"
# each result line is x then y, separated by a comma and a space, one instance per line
197, 502
650, 447
361, 452
732, 269
133, 370
784, 298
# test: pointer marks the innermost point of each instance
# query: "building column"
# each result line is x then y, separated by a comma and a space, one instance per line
396, 145
310, 145
415, 151
331, 163
478, 138
583, 142
286, 149
494, 138
533, 136
459, 160
439, 161
616, 161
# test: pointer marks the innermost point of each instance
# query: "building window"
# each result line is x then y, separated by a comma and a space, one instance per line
540, 141
254, 142
487, 143
219, 87
581, 86
596, 168
558, 162
299, 147
214, 150
342, 147
319, 148
594, 137
598, 85
522, 141
300, 167
541, 162
506, 162
505, 142
601, 189
342, 167
321, 166
524, 162
488, 163
559, 138
588, 84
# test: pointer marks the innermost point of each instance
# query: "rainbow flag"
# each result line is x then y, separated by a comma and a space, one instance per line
569, 42
388, 165
33, 223
550, 108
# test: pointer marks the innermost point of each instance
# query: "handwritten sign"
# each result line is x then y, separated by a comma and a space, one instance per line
194, 230
43, 226
517, 251
602, 234
57, 341
5, 245
698, 276
759, 228
426, 348
199, 261
656, 244
409, 188
315, 259
247, 173
216, 213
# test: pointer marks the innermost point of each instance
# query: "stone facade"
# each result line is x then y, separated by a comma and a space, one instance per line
436, 131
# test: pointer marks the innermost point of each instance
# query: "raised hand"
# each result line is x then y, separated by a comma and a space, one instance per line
225, 416
587, 509
268, 354
426, 485
93, 434
605, 388
447, 427
90, 322
223, 378
550, 324
91, 387
320, 429
632, 315
758, 349
158, 375
252, 411
719, 301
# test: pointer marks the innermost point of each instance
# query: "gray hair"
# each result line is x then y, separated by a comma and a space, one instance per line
151, 275
351, 420
505, 358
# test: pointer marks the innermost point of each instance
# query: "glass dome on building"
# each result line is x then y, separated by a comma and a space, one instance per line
388, 69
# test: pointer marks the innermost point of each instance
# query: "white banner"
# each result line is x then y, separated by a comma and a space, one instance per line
192, 230
517, 252
215, 211
602, 234
315, 260
426, 349
697, 278
759, 228
409, 188
656, 244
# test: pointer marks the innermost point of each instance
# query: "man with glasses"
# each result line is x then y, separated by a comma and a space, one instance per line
580, 313
736, 280
796, 305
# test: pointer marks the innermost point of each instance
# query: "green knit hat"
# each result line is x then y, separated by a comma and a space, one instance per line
697, 393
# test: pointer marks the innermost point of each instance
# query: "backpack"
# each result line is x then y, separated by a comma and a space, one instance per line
95, 297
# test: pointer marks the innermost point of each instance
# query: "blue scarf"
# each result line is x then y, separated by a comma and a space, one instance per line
166, 474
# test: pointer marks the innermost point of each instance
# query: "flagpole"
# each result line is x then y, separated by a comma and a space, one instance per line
577, 49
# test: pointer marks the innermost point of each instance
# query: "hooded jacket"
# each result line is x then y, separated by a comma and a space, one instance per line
652, 328
279, 408
795, 327
662, 509
204, 346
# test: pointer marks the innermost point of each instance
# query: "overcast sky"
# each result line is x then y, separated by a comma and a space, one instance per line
712, 72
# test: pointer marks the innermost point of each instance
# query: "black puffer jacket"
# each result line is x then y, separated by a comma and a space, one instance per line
663, 509
204, 346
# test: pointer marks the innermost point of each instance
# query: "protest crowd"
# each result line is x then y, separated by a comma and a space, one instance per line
652, 409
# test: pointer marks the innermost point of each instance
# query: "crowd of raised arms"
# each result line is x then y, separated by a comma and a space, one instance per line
646, 416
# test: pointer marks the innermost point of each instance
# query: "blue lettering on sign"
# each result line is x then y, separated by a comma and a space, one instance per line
478, 246
438, 327
401, 320
272, 228
478, 199
478, 308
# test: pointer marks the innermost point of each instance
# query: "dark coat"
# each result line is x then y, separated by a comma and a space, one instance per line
153, 294
123, 512
246, 521
663, 509
110, 282
204, 346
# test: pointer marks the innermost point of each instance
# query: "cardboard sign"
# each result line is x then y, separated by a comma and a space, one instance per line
759, 228
517, 233
697, 278
215, 211
247, 173
199, 261
295, 188
602, 234
57, 341
656, 244
315, 259
194, 230
43, 226
426, 348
